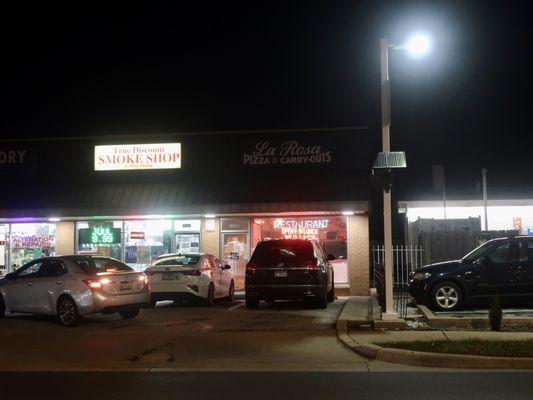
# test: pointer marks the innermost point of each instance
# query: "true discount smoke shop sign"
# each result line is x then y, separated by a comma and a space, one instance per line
137, 156
290, 152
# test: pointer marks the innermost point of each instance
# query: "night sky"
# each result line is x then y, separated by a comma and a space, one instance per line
97, 70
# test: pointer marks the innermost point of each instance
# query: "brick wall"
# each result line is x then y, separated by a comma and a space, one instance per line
358, 255
210, 241
65, 238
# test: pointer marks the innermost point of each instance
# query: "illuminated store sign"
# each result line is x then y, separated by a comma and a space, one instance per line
100, 235
290, 152
31, 241
137, 156
300, 229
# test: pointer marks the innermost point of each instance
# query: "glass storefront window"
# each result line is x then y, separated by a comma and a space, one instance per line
30, 241
100, 238
4, 231
187, 235
331, 232
146, 240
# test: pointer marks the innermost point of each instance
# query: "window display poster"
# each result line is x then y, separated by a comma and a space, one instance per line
143, 255
131, 254
187, 243
156, 251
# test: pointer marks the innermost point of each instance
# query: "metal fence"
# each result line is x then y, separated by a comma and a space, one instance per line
405, 259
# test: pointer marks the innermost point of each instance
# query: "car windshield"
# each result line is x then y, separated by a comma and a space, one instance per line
177, 260
478, 251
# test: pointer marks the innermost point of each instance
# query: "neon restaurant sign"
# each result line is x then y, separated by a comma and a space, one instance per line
137, 156
300, 229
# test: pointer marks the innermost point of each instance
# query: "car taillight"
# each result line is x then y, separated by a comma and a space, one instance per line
195, 272
93, 283
313, 264
143, 278
251, 265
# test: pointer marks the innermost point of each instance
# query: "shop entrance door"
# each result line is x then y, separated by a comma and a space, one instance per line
236, 253
187, 243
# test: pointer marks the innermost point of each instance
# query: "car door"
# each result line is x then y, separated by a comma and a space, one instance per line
215, 275
323, 263
49, 285
20, 291
528, 275
497, 272
225, 277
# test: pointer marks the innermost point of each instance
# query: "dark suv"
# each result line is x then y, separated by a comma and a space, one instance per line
289, 269
500, 267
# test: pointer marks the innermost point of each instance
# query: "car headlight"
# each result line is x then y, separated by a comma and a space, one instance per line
420, 276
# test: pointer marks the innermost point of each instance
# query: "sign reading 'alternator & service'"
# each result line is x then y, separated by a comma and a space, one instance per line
137, 156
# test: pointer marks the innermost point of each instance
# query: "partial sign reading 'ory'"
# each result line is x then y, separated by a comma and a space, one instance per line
137, 156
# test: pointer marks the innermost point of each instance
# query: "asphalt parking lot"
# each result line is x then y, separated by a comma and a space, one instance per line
228, 336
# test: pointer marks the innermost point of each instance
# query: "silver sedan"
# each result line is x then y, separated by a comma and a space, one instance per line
72, 286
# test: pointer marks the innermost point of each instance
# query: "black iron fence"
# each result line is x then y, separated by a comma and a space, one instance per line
405, 260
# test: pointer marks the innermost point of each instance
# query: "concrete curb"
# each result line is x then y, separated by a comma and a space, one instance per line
399, 356
477, 322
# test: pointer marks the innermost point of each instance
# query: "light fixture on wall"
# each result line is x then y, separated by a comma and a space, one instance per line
209, 216
209, 225
54, 219
348, 213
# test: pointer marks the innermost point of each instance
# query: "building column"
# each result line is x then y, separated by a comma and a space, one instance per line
65, 236
210, 237
359, 255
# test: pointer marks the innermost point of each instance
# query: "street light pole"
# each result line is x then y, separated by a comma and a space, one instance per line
387, 203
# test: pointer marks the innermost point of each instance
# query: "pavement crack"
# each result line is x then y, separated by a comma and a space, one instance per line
163, 353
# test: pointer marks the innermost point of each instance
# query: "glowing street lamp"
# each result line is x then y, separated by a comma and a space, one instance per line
417, 45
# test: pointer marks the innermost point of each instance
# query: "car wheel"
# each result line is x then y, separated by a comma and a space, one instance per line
231, 294
67, 312
210, 300
331, 293
2, 308
446, 296
322, 301
252, 302
129, 314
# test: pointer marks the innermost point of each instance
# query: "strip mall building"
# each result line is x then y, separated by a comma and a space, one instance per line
137, 197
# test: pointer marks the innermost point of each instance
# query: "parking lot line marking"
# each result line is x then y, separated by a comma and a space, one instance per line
234, 307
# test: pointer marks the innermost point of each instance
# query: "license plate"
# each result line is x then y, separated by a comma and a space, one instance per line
168, 276
125, 286
280, 274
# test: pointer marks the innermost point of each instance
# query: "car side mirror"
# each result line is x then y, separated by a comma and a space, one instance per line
226, 266
331, 257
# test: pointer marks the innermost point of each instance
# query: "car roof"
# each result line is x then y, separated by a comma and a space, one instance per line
181, 254
289, 240
75, 257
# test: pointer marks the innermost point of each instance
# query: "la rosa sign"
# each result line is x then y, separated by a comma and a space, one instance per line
137, 156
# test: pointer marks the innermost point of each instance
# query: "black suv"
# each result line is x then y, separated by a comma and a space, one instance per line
500, 267
289, 269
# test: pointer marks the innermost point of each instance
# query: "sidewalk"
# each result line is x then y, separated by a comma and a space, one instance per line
365, 343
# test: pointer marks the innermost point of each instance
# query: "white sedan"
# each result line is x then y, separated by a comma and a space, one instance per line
190, 276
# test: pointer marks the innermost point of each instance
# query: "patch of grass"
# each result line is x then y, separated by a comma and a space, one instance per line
496, 348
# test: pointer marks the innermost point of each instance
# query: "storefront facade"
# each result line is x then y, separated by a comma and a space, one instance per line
137, 198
